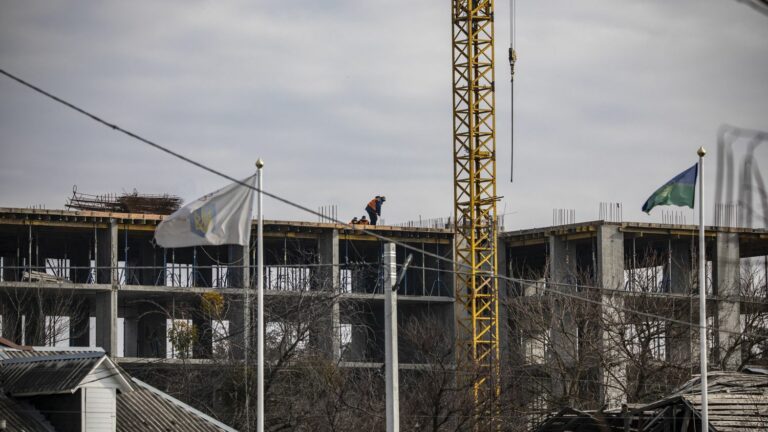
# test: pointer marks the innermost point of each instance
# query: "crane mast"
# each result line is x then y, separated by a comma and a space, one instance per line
474, 158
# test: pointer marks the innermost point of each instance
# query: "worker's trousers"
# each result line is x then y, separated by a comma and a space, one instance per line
372, 215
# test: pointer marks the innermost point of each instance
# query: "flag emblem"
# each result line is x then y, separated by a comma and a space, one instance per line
218, 218
202, 218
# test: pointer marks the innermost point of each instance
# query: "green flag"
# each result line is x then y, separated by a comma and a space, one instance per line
680, 191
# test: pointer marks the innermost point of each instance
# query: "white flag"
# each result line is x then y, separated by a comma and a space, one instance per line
221, 217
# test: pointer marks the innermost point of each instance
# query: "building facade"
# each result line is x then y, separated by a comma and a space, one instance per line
592, 314
606, 313
97, 279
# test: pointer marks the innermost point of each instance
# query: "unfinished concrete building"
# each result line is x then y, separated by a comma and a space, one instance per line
589, 297
615, 300
97, 279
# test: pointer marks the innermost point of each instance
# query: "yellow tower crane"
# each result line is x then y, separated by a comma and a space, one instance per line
474, 157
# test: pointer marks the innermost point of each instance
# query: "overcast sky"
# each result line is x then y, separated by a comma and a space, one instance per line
349, 99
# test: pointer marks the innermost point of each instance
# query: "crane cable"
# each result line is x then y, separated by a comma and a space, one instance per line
512, 60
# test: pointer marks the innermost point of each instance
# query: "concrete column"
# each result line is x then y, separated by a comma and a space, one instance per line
106, 302
130, 331
241, 323
727, 284
610, 275
610, 257
106, 321
328, 337
562, 273
505, 291
238, 276
235, 273
328, 258
106, 259
563, 326
679, 272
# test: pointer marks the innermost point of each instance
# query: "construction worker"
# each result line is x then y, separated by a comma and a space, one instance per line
354, 221
374, 208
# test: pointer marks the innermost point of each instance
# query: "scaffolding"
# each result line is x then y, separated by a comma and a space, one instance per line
126, 203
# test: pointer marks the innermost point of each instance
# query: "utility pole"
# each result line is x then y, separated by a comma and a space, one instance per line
390, 338
391, 361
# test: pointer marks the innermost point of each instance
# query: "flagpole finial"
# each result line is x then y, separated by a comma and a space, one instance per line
701, 152
260, 164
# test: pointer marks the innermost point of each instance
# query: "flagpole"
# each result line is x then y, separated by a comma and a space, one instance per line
260, 307
702, 297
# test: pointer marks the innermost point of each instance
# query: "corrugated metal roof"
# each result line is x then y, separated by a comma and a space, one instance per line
737, 401
6, 354
19, 418
734, 412
754, 381
34, 373
142, 409
139, 406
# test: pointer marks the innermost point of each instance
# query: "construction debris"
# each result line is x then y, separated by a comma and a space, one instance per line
36, 276
126, 203
738, 402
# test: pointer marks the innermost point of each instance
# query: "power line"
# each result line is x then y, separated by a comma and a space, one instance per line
234, 180
308, 210
198, 164
598, 302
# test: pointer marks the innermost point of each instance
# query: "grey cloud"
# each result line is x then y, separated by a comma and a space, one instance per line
348, 99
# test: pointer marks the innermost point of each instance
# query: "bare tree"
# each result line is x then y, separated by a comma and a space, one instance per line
435, 397
51, 316
750, 347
